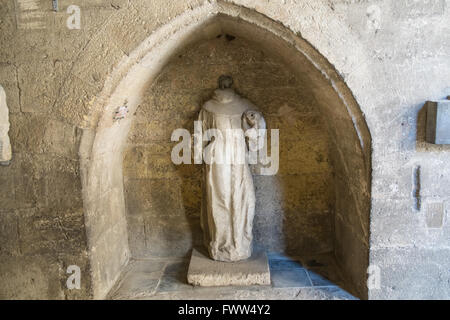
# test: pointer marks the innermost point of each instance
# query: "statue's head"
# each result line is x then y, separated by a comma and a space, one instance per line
225, 82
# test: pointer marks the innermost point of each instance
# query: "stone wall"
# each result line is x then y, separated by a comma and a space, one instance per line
392, 55
295, 208
42, 229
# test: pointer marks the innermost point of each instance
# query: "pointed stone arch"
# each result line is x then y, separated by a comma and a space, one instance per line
102, 145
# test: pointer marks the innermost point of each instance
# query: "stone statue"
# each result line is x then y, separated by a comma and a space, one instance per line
228, 203
5, 145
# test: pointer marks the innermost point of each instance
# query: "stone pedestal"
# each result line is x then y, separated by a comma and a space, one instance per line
203, 271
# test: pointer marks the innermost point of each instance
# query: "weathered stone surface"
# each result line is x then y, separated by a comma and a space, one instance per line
203, 271
138, 282
235, 293
140, 278
412, 273
9, 234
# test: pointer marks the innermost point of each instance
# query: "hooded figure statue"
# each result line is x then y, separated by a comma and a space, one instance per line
229, 126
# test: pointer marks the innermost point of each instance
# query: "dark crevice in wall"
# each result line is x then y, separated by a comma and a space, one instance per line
416, 188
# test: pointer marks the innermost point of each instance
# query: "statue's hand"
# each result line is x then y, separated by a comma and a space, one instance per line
253, 119
253, 122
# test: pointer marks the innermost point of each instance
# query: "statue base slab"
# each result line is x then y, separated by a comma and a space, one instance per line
203, 271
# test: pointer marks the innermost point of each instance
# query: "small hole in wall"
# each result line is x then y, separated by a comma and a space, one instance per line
229, 37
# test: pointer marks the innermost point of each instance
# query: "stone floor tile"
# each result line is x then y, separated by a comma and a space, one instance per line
290, 278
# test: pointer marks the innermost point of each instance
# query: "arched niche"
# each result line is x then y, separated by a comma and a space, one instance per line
294, 208
101, 150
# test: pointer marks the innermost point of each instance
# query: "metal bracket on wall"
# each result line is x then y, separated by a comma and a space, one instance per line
55, 5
